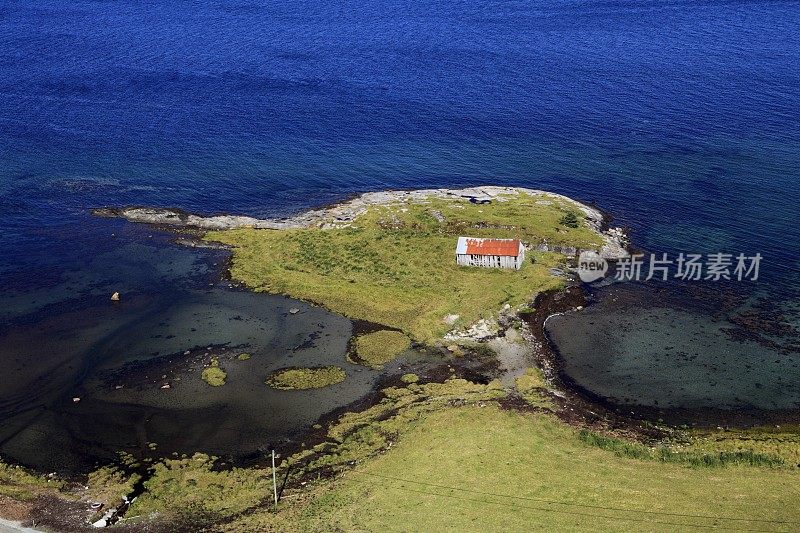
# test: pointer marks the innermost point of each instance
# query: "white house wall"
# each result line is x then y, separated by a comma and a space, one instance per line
491, 261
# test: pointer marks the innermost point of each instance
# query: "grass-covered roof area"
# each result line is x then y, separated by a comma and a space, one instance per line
395, 265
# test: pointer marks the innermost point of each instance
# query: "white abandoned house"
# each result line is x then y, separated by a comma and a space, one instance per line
490, 253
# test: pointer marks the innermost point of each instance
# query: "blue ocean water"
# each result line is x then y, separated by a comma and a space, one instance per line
682, 118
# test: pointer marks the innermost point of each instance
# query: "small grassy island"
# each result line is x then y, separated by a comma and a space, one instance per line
306, 378
394, 264
378, 348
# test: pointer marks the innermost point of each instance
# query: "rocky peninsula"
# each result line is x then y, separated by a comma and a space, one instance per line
398, 245
345, 213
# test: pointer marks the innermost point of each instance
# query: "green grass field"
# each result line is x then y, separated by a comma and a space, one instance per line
396, 264
477, 468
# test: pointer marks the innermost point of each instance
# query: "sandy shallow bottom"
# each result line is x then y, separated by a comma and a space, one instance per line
631, 351
118, 357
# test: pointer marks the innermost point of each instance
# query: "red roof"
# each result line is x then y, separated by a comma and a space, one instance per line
493, 247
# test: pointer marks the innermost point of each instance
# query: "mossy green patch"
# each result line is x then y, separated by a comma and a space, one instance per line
378, 348
18, 483
192, 489
243, 356
213, 374
306, 378
409, 378
109, 485
570, 219
669, 454
396, 264
781, 442
530, 387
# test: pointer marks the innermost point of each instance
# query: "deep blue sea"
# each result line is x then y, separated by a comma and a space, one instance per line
681, 118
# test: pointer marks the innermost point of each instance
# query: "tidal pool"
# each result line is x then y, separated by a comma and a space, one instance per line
139, 390
634, 347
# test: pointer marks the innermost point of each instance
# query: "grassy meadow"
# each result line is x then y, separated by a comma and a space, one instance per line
395, 265
422, 464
